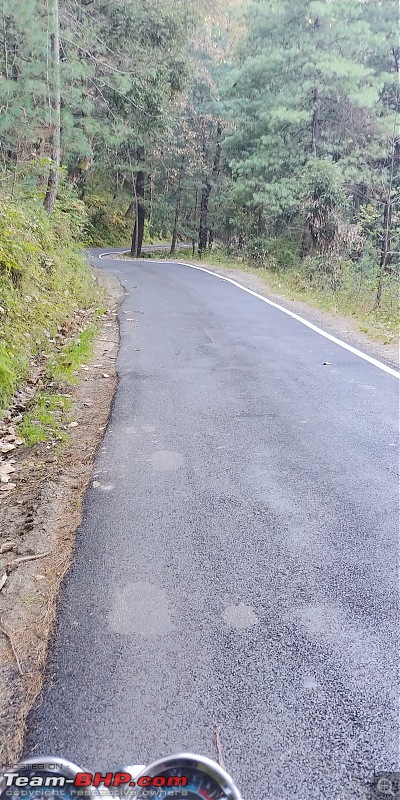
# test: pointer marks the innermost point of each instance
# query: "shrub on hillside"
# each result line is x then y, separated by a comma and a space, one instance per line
44, 278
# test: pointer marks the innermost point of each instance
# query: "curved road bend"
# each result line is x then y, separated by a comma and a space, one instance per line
237, 560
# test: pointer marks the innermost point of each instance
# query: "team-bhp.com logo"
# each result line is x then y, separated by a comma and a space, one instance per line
96, 779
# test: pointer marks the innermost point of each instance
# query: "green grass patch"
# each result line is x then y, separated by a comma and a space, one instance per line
6, 375
44, 420
44, 278
64, 366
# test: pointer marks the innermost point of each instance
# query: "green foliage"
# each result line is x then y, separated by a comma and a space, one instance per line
23, 89
274, 252
43, 420
321, 183
306, 179
63, 367
43, 280
322, 194
106, 224
6, 376
368, 218
312, 101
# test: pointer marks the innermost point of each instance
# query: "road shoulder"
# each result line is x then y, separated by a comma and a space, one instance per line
39, 521
338, 325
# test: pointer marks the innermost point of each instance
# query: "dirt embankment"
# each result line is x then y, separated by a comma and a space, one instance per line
38, 520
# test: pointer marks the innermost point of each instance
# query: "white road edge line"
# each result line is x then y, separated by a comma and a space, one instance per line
314, 328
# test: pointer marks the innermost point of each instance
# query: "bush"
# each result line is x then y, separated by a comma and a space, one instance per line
106, 226
322, 195
275, 252
323, 272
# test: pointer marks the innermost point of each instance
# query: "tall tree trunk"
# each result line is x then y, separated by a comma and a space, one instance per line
177, 212
205, 196
196, 202
130, 210
385, 250
387, 218
54, 174
206, 191
316, 117
385, 246
138, 231
260, 223
151, 197
316, 123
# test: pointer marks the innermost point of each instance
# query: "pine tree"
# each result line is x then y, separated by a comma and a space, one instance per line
54, 173
309, 84
25, 123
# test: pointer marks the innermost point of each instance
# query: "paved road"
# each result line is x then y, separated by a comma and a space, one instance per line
237, 564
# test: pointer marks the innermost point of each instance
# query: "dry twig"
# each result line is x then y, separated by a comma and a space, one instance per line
14, 652
18, 561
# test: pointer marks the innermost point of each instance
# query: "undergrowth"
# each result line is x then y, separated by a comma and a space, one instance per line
45, 419
63, 367
44, 277
49, 414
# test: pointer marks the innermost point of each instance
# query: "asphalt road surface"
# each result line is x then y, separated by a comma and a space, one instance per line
237, 561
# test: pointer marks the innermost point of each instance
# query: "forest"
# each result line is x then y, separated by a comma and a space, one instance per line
263, 132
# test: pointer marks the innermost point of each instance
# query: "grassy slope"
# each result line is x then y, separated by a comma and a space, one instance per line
50, 412
44, 280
